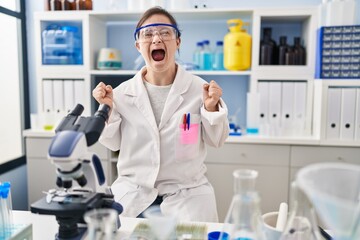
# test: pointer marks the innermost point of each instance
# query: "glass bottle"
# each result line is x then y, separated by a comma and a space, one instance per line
196, 55
299, 52
283, 48
55, 5
218, 57
243, 220
84, 4
267, 48
205, 56
101, 224
302, 224
290, 57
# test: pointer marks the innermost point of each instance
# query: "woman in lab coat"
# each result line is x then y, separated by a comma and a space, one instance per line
161, 120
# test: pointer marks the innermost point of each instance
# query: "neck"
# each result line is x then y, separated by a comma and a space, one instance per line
162, 78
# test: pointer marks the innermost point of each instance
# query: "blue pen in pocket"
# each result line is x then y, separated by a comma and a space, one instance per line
188, 121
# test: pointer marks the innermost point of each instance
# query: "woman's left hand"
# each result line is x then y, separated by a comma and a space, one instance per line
211, 96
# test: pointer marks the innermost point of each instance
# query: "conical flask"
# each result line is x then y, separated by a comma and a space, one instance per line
243, 220
302, 224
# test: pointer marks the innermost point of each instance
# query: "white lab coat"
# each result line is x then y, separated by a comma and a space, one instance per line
164, 160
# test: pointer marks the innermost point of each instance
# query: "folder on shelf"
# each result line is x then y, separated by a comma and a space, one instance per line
348, 101
333, 113
287, 107
58, 95
69, 103
47, 89
79, 95
357, 115
263, 90
300, 96
274, 107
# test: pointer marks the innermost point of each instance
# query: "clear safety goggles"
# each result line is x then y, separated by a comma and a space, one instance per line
165, 31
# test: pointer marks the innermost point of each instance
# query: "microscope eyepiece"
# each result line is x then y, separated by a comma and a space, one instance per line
103, 111
77, 111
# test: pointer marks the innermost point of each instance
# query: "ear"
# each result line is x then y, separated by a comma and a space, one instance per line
178, 41
137, 45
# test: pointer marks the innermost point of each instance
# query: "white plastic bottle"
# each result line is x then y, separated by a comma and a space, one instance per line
196, 55
205, 56
218, 57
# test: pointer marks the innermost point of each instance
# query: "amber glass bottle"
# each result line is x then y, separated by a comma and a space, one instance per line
299, 52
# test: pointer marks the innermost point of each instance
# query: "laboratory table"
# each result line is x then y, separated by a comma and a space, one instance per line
45, 226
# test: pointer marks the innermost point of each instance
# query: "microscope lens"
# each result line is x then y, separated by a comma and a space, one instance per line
81, 180
67, 184
59, 182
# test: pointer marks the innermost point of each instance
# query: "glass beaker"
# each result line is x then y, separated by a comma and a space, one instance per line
302, 224
243, 220
101, 223
162, 226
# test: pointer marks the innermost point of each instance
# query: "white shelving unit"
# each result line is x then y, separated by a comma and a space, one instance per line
115, 29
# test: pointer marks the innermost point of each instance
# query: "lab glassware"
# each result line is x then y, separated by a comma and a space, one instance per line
101, 223
243, 220
162, 225
334, 190
302, 224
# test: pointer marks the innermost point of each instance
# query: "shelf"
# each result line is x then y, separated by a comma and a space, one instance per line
189, 15
273, 140
209, 73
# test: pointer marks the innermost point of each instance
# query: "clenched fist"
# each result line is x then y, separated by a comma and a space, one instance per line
211, 96
103, 94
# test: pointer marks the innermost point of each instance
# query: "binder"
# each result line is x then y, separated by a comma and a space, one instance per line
333, 113
274, 107
300, 98
287, 107
357, 116
348, 101
79, 95
263, 90
58, 95
47, 89
69, 102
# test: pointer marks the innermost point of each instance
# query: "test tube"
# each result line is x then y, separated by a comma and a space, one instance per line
2, 215
6, 210
8, 200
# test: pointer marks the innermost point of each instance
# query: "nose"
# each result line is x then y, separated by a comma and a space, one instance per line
156, 38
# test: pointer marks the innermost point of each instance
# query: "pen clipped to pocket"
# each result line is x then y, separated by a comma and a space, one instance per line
189, 132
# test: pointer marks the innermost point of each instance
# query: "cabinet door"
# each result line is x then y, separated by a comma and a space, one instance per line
305, 155
271, 161
272, 185
41, 177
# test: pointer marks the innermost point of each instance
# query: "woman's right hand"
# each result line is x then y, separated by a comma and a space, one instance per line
103, 94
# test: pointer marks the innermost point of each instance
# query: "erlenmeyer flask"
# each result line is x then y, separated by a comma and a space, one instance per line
302, 224
243, 220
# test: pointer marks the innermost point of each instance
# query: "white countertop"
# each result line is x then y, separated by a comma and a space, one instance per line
45, 226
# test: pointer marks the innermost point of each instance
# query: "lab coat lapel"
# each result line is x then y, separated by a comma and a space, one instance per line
141, 101
180, 85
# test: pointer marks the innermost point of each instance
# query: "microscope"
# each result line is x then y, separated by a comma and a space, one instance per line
69, 153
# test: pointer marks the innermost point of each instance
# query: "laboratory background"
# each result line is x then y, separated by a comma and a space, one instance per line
289, 70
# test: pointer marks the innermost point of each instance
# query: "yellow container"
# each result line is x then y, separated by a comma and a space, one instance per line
237, 47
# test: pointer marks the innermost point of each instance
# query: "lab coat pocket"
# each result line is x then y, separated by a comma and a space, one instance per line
187, 140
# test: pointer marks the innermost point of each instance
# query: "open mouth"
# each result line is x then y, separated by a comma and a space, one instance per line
158, 54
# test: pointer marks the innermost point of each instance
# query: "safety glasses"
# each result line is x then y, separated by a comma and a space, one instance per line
166, 32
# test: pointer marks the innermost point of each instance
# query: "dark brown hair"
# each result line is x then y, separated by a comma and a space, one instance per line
157, 10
